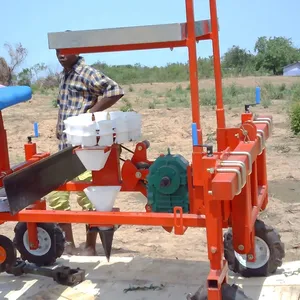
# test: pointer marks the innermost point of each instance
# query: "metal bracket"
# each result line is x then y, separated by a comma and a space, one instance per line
179, 229
261, 135
244, 153
268, 121
236, 163
237, 172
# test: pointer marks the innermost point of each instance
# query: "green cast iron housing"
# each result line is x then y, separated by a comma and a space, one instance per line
168, 184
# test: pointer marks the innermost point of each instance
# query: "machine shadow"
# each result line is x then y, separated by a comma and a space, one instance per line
123, 278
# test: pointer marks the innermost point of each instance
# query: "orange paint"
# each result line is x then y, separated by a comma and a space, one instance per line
2, 255
228, 188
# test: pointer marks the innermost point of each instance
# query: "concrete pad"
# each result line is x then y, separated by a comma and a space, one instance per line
139, 278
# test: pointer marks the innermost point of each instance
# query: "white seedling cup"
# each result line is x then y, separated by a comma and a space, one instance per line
106, 140
103, 198
105, 132
94, 159
134, 125
101, 115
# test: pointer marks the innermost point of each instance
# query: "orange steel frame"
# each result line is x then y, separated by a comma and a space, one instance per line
226, 189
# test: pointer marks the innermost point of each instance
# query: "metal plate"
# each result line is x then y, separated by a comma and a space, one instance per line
30, 184
125, 35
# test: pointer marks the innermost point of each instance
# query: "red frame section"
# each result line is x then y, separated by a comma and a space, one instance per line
228, 188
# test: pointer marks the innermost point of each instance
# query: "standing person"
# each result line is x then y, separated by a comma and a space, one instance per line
79, 89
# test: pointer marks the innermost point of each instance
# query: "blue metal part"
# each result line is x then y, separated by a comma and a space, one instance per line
194, 134
36, 129
257, 95
12, 95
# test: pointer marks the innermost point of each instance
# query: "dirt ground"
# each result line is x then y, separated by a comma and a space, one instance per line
171, 128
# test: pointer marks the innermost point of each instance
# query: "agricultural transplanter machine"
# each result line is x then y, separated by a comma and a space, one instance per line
226, 188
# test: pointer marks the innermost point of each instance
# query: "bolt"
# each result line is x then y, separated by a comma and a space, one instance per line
250, 257
241, 247
138, 174
210, 192
211, 170
237, 135
140, 148
213, 250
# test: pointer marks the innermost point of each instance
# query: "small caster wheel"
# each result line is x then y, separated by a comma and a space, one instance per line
269, 252
229, 292
8, 254
51, 243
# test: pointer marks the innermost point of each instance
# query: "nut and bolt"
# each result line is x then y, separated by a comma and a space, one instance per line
138, 174
250, 257
241, 247
139, 148
211, 170
210, 192
213, 250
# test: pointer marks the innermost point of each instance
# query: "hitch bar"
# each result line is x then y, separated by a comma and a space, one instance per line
62, 275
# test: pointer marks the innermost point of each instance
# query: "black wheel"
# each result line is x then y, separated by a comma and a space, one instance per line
229, 292
8, 253
51, 243
268, 248
142, 165
147, 144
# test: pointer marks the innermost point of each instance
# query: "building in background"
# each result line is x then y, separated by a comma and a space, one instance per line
292, 69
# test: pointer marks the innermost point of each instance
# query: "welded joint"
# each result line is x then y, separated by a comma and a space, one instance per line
239, 177
261, 135
244, 153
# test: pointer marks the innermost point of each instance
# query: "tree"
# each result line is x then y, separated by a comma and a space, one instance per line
25, 77
17, 57
38, 68
237, 58
4, 72
275, 53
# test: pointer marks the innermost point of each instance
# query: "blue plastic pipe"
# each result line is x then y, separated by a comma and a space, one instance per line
194, 134
257, 95
12, 95
36, 129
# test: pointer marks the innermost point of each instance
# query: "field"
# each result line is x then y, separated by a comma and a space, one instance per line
166, 123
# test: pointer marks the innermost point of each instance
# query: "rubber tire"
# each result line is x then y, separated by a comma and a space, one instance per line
57, 244
276, 247
229, 292
11, 253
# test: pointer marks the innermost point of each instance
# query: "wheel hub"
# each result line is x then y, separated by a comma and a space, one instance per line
262, 253
2, 255
43, 239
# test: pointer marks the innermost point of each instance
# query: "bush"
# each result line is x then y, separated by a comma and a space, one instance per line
295, 117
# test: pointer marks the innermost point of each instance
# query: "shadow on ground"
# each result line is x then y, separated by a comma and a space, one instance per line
123, 278
286, 190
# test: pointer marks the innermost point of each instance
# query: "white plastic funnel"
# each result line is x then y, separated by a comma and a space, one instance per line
93, 159
103, 197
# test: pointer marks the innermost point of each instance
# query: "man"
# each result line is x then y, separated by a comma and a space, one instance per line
79, 89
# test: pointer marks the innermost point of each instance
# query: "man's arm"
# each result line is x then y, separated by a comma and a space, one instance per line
110, 91
105, 103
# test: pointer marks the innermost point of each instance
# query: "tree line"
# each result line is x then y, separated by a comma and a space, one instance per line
268, 57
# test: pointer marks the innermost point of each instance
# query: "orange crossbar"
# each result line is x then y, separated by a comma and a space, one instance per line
93, 217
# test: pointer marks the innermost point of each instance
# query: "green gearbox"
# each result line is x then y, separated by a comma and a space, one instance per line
168, 183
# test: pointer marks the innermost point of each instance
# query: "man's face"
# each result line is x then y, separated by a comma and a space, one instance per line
67, 61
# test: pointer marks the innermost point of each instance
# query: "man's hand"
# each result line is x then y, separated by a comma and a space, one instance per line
57, 132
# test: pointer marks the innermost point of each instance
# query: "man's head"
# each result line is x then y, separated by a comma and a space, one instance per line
67, 61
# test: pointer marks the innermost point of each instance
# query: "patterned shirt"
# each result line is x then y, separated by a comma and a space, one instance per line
79, 90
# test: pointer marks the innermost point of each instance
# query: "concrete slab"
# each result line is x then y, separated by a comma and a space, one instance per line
139, 278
